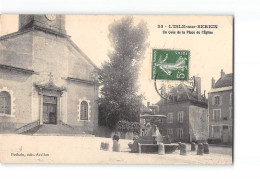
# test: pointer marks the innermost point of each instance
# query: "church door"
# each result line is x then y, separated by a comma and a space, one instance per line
49, 110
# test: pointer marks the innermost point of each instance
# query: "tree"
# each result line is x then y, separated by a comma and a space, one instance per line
119, 75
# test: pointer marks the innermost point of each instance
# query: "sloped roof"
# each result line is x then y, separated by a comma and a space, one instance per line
225, 81
67, 37
184, 93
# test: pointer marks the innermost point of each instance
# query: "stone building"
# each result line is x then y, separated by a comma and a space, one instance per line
186, 111
220, 102
46, 79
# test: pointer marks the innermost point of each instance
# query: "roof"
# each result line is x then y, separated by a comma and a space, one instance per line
34, 27
214, 90
83, 80
82, 53
67, 37
185, 94
17, 69
225, 81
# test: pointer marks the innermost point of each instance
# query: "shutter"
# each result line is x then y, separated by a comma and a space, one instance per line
220, 100
213, 100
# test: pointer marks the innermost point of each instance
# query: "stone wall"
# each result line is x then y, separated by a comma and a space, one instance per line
17, 50
76, 93
198, 123
19, 86
47, 53
226, 108
174, 108
50, 54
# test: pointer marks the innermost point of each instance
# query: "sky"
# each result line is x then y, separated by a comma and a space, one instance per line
208, 53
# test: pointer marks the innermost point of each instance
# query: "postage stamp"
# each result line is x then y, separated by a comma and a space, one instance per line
61, 88
170, 64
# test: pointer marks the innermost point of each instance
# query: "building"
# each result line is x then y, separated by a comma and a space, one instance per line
186, 111
149, 120
45, 78
220, 102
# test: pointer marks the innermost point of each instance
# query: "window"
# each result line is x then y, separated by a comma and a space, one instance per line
225, 127
143, 132
5, 103
170, 98
217, 100
169, 131
170, 117
83, 110
180, 116
180, 133
216, 129
216, 133
216, 114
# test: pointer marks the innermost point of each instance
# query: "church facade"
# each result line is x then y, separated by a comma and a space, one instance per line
45, 79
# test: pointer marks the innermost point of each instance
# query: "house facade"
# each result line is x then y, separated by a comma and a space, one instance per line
45, 79
220, 102
186, 112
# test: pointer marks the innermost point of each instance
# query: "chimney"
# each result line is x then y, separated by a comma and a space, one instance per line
148, 104
222, 73
212, 82
198, 86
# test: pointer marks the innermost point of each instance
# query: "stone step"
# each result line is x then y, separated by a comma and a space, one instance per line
32, 131
51, 129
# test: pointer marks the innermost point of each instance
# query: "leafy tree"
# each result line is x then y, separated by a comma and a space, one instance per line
119, 75
126, 126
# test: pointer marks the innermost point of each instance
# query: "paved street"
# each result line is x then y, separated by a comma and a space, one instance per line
82, 149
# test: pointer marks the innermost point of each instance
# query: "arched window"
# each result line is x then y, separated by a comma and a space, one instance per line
5, 102
83, 110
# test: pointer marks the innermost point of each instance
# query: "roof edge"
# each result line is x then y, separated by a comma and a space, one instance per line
213, 90
34, 27
14, 34
81, 80
18, 69
82, 53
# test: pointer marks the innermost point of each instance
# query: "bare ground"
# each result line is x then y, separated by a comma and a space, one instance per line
83, 149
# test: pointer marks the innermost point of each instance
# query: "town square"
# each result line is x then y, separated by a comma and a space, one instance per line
142, 100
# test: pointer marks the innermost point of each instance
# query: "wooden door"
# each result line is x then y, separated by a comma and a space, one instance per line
49, 113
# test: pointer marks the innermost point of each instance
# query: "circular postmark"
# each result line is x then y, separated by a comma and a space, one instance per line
164, 89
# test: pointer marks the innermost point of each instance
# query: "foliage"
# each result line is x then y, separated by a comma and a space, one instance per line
119, 99
126, 126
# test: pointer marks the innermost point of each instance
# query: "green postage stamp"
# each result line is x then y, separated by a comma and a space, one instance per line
170, 64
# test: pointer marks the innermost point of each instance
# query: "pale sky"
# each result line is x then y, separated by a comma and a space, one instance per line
209, 53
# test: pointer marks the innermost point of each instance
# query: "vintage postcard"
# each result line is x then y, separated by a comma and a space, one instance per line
116, 89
